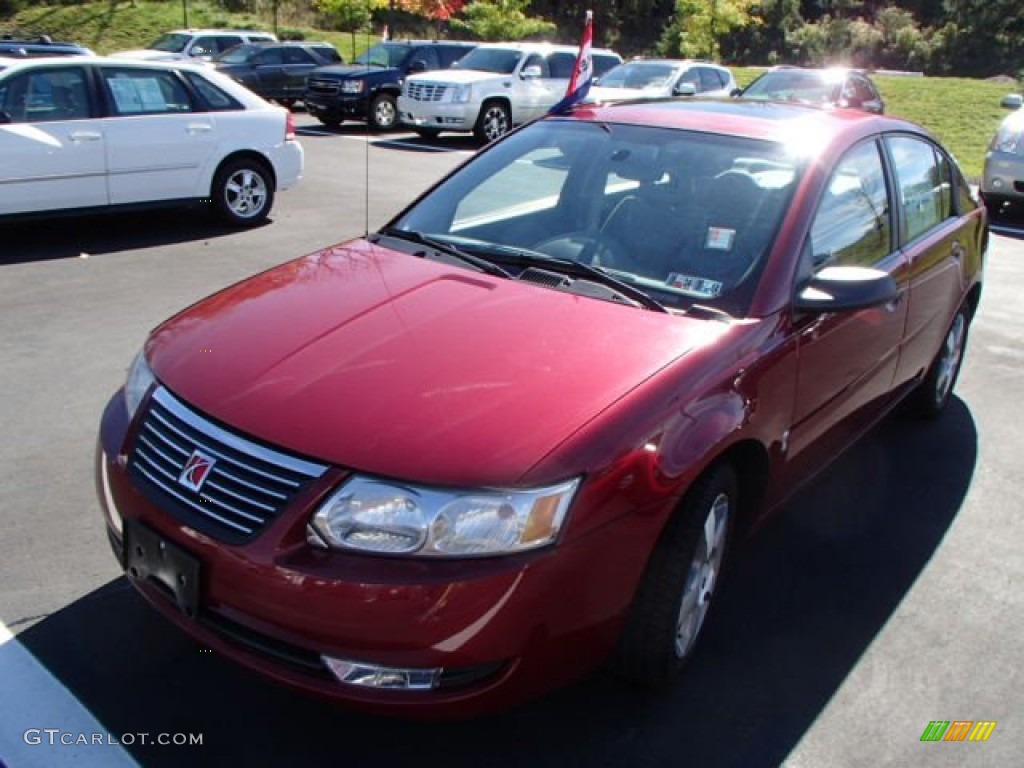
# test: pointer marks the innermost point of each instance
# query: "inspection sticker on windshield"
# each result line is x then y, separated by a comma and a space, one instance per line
696, 286
720, 239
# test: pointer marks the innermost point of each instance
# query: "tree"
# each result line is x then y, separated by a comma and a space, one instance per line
698, 26
349, 15
500, 20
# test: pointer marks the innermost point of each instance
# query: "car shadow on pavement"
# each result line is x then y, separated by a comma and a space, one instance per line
805, 598
74, 236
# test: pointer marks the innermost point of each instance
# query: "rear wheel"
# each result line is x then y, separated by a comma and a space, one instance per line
493, 123
935, 391
383, 112
243, 192
672, 603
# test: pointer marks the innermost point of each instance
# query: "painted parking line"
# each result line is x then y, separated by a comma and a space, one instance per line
42, 723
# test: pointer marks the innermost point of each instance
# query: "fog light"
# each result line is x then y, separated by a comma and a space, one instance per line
997, 183
373, 676
108, 499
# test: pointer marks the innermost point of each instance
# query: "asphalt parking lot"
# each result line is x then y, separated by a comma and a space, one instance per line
886, 596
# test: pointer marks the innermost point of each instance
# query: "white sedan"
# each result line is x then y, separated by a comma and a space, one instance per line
94, 133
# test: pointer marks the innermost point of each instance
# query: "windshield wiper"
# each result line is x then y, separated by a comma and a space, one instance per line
576, 269
448, 249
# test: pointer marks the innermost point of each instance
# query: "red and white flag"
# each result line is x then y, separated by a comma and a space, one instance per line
583, 72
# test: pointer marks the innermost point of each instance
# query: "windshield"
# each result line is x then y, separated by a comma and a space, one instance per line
383, 55
793, 85
501, 61
638, 74
171, 42
239, 54
687, 217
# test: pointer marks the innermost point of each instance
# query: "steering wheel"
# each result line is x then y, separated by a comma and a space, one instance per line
596, 249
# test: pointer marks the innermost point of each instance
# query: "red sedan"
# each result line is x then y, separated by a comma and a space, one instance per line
509, 437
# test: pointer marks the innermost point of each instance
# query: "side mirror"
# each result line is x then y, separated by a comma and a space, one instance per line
531, 72
845, 289
417, 66
4, 118
685, 89
1012, 101
735, 92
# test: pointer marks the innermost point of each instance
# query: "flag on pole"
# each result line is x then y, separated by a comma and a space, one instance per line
384, 34
582, 73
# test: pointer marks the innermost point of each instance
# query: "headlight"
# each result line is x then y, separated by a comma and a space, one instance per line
140, 379
462, 94
351, 86
386, 517
1007, 140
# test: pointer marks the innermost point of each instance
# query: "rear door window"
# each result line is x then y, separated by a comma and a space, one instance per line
145, 91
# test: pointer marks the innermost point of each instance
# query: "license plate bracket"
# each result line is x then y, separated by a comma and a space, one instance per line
149, 556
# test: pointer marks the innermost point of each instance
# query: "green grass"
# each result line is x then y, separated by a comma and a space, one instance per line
962, 113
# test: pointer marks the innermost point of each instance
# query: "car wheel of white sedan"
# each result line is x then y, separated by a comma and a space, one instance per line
672, 603
243, 192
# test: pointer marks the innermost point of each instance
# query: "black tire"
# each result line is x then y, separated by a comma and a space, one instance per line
657, 640
330, 122
936, 389
383, 115
427, 133
493, 122
243, 192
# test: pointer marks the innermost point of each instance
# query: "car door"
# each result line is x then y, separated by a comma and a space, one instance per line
296, 65
268, 66
533, 94
934, 243
52, 150
847, 361
156, 142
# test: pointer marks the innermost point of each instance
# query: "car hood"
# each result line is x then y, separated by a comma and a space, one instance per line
394, 365
597, 93
147, 54
352, 71
459, 76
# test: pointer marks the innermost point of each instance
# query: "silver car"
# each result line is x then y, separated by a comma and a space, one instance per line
1003, 181
654, 78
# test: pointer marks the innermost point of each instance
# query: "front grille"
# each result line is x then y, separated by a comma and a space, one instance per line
425, 91
322, 86
239, 485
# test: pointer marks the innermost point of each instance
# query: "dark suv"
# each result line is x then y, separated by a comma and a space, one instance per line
368, 88
275, 70
39, 46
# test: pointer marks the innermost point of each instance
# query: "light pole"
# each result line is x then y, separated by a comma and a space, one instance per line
184, 11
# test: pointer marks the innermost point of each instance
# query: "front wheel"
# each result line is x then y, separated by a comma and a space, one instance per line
243, 192
671, 605
493, 123
934, 392
383, 112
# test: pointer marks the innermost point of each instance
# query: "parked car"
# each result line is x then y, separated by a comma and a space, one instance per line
275, 70
11, 47
510, 436
493, 88
846, 88
1003, 178
656, 78
88, 134
201, 44
368, 89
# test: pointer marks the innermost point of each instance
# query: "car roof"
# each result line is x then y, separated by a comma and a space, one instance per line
219, 32
542, 47
765, 120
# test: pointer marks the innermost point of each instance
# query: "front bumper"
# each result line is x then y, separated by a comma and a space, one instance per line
1003, 176
439, 116
337, 107
502, 629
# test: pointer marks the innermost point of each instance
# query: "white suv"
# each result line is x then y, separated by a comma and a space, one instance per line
195, 43
493, 88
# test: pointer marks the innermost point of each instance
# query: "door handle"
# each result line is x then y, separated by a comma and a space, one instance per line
893, 305
195, 128
77, 136
957, 250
